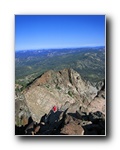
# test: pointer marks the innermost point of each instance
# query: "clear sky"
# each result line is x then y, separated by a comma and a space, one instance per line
58, 31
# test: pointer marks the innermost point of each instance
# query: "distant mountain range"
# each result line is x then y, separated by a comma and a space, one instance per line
41, 49
88, 61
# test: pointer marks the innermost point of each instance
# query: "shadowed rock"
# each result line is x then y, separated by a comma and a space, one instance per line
81, 106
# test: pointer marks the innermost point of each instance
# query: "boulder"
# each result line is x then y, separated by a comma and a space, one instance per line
72, 129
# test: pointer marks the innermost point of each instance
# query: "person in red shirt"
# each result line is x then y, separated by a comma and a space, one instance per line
54, 109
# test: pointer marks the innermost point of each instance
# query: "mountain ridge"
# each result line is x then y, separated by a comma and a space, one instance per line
57, 88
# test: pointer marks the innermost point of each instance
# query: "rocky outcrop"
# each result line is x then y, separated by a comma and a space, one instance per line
80, 106
58, 88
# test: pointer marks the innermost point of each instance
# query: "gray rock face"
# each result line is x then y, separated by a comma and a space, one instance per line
99, 102
21, 110
63, 89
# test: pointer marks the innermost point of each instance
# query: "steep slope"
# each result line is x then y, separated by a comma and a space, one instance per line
64, 88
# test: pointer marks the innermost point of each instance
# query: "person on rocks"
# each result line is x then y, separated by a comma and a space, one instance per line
54, 109
45, 118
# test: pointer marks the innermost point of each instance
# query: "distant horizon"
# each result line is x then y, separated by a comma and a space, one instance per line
61, 48
57, 31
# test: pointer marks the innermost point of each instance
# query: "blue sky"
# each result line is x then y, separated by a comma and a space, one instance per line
58, 31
